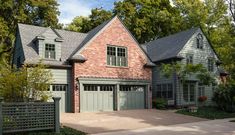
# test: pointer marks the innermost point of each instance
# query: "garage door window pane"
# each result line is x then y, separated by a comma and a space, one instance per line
59, 87
107, 88
90, 87
131, 88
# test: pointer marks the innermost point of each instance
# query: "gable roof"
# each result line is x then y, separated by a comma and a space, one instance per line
168, 47
72, 42
29, 32
89, 36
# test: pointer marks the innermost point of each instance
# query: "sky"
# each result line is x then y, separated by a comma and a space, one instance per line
72, 8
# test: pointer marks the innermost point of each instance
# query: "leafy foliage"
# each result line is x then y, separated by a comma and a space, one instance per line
208, 113
43, 13
85, 24
24, 83
159, 103
224, 97
185, 71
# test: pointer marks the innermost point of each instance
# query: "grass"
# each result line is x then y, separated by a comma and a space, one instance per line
63, 131
208, 113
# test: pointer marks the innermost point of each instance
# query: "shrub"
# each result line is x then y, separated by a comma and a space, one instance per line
159, 103
224, 95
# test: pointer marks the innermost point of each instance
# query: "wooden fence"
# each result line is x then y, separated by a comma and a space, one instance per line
32, 116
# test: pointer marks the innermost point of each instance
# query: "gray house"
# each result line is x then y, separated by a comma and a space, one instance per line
190, 46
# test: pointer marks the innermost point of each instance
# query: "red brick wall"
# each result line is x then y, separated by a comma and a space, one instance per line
95, 52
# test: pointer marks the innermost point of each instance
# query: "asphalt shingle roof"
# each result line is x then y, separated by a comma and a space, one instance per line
168, 47
71, 40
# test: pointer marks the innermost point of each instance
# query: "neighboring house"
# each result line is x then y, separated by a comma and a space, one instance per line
187, 47
102, 70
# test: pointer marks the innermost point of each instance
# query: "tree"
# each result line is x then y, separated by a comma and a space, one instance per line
184, 71
24, 83
85, 24
149, 19
231, 4
212, 17
42, 13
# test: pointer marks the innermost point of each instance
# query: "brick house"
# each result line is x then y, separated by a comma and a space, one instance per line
102, 70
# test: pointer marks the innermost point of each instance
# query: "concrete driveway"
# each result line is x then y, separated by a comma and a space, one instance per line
213, 127
101, 122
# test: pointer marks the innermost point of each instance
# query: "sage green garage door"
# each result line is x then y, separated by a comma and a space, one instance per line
97, 98
131, 97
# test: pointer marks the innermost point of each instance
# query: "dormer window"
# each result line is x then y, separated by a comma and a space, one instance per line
199, 41
50, 51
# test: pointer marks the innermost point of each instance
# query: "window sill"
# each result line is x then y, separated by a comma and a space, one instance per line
117, 67
49, 59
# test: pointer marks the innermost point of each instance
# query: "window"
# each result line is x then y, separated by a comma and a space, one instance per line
50, 51
59, 87
189, 59
107, 87
189, 92
90, 87
201, 90
131, 88
165, 91
199, 41
210, 65
116, 56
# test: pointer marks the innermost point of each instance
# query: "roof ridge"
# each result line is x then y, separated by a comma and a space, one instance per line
50, 28
174, 34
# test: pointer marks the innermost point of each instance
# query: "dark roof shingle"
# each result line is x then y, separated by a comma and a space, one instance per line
168, 47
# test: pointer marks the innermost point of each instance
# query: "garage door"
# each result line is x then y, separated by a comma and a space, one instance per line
60, 90
131, 97
97, 98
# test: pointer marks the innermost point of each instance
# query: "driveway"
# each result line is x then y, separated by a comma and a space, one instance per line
213, 127
101, 122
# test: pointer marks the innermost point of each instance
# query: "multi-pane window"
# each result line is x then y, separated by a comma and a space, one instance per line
107, 87
90, 87
210, 65
201, 90
116, 56
189, 59
50, 51
199, 41
59, 87
189, 92
165, 91
131, 88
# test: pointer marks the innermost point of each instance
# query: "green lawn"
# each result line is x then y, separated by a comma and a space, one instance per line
63, 131
208, 113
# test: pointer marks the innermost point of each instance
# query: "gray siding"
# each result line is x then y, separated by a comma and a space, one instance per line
199, 56
63, 76
50, 39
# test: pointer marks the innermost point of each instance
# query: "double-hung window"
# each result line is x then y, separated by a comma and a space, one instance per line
201, 90
49, 51
189, 59
116, 56
199, 41
210, 65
